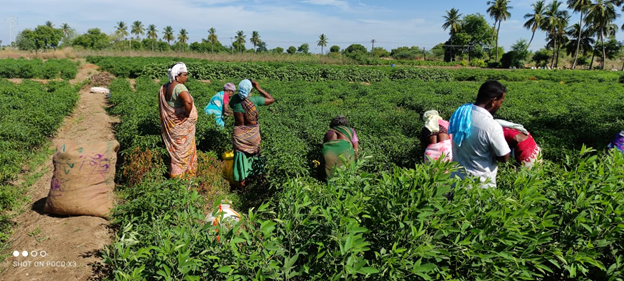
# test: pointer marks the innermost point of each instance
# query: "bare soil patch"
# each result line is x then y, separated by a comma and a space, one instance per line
71, 244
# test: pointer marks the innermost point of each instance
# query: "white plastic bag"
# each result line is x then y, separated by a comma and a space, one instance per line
100, 90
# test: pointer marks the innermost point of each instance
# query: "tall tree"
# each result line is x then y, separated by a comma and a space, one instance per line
499, 11
152, 34
579, 6
586, 41
182, 38
212, 38
601, 15
322, 42
452, 22
66, 29
49, 24
240, 39
121, 29
137, 29
255, 39
168, 34
535, 20
555, 21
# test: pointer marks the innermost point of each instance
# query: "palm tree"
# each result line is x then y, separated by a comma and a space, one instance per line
322, 42
152, 34
182, 38
168, 34
499, 10
554, 21
255, 39
581, 7
586, 40
66, 29
534, 20
601, 15
212, 38
122, 29
137, 29
452, 21
49, 24
240, 39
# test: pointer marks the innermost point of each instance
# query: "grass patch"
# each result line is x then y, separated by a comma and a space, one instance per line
14, 196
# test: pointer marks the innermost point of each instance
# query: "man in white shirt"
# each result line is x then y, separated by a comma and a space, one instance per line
478, 140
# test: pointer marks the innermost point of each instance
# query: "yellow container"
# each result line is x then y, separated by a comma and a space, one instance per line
228, 169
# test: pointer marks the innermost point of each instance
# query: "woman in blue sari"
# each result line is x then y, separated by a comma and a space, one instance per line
218, 105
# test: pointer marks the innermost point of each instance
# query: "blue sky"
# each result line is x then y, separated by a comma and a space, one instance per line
283, 23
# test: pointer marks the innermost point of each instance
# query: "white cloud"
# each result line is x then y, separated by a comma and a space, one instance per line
340, 4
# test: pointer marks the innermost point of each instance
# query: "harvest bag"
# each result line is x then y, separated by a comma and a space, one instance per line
83, 179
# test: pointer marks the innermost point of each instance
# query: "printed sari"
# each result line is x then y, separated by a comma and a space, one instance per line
178, 133
215, 107
334, 149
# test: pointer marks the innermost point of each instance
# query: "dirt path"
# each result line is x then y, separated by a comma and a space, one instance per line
71, 244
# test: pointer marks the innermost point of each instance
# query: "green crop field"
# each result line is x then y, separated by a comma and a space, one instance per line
30, 112
386, 218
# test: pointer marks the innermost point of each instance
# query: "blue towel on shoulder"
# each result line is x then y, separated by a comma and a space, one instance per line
460, 123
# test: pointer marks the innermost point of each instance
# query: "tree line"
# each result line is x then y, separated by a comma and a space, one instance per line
471, 37
593, 35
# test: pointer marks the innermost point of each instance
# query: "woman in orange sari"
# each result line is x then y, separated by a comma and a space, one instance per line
178, 116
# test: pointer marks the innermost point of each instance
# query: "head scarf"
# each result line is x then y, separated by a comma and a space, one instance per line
229, 87
176, 70
460, 123
244, 88
512, 125
431, 119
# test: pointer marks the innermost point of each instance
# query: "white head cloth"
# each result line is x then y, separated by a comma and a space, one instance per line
176, 70
512, 125
431, 119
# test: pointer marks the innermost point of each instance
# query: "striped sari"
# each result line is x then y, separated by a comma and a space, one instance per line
332, 150
178, 133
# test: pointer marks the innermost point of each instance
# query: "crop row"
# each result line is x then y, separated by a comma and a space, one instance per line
36, 68
30, 112
131, 67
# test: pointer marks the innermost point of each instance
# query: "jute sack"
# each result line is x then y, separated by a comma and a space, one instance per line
83, 180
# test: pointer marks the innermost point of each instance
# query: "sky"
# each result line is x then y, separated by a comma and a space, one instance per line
280, 23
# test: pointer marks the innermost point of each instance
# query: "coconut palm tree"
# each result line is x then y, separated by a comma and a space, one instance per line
555, 20
66, 29
240, 39
322, 42
122, 29
152, 34
535, 19
182, 38
586, 41
212, 38
168, 34
499, 10
452, 21
581, 7
601, 15
137, 29
255, 39
49, 24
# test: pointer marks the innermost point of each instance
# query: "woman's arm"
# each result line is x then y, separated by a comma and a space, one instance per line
188, 102
268, 99
226, 109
